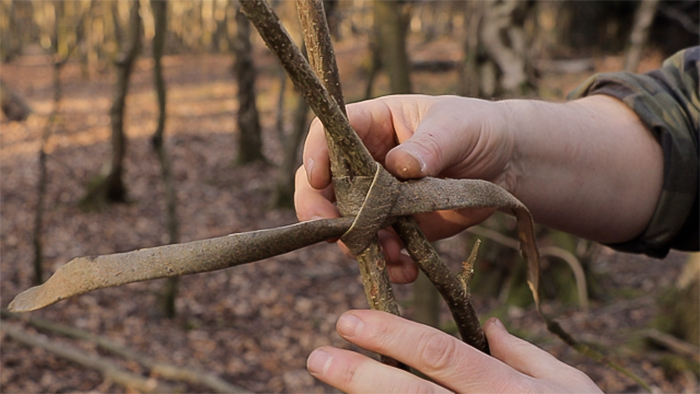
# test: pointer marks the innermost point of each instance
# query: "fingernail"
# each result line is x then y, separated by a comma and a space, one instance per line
498, 323
349, 325
318, 362
413, 163
309, 168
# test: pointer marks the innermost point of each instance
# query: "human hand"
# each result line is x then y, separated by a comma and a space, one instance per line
514, 366
414, 136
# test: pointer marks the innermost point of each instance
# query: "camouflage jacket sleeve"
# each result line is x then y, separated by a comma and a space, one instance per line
666, 100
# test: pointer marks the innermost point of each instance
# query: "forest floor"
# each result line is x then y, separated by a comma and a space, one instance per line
252, 325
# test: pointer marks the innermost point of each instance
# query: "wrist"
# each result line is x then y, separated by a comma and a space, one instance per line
588, 167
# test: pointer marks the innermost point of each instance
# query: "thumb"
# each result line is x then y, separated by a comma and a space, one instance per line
433, 147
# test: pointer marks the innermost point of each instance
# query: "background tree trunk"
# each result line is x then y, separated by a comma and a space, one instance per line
640, 33
111, 188
160, 11
680, 306
13, 106
508, 71
391, 26
249, 131
43, 176
284, 192
469, 79
9, 42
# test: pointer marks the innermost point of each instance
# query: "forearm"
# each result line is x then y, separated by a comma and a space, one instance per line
588, 167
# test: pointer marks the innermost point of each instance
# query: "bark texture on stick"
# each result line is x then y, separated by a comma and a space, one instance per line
373, 267
349, 153
84, 274
300, 72
317, 38
377, 286
322, 59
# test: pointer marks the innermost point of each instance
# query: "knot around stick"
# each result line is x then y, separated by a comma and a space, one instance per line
370, 202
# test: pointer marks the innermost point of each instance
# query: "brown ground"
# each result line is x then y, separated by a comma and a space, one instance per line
252, 325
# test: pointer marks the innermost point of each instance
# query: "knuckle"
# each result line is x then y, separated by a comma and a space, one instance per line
432, 146
439, 352
349, 376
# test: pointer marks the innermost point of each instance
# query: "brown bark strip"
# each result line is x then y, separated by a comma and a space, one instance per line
84, 274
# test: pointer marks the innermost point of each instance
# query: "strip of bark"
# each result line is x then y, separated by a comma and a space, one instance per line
89, 273
84, 274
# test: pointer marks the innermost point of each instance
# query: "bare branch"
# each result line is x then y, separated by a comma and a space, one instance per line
108, 368
165, 371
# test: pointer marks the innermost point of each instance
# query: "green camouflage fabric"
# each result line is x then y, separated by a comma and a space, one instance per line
666, 100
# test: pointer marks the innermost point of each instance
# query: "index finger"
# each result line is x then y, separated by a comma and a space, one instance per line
449, 361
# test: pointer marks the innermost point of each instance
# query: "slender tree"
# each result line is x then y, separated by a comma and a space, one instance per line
640, 33
249, 131
284, 191
110, 188
160, 12
391, 26
496, 61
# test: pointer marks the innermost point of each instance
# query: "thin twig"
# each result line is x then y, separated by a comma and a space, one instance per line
109, 369
162, 370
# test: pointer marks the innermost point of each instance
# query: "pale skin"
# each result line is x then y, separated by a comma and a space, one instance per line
588, 167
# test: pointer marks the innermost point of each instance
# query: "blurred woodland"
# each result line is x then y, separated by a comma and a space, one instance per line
132, 124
